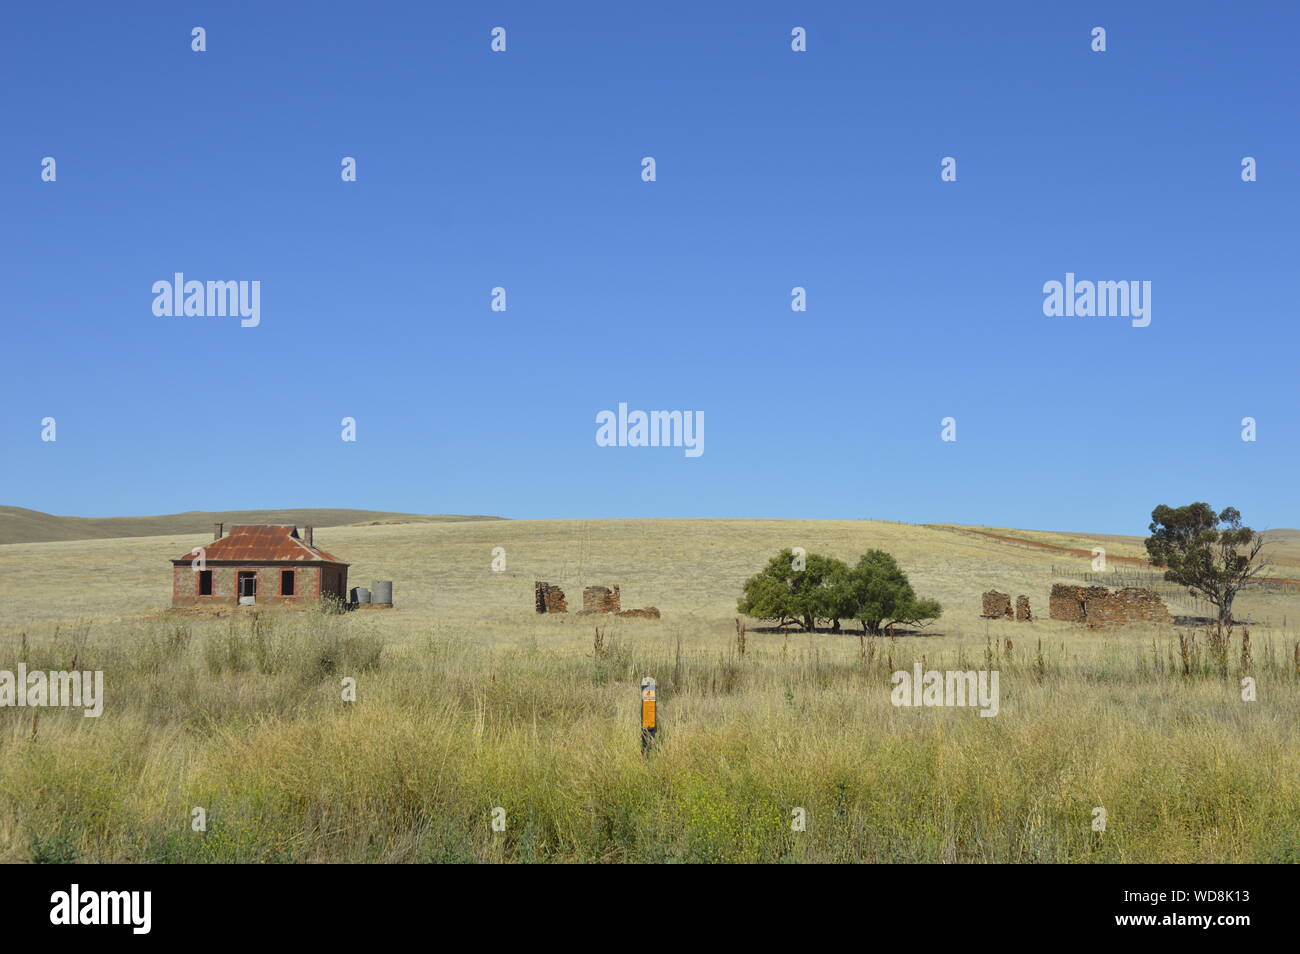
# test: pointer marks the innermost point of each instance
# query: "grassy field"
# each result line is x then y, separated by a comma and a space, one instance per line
466, 702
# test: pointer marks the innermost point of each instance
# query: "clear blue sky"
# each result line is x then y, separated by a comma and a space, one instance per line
775, 169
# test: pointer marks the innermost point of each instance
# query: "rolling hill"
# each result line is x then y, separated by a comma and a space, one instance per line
19, 525
1281, 546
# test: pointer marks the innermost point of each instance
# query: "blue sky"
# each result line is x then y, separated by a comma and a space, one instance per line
775, 169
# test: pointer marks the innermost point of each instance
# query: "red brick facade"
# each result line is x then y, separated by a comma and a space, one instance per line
276, 564
310, 582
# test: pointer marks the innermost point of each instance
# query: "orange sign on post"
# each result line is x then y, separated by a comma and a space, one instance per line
649, 717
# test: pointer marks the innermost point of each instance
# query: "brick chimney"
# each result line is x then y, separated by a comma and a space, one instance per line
218, 531
307, 532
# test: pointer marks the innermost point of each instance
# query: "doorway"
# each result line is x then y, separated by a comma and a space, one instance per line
247, 587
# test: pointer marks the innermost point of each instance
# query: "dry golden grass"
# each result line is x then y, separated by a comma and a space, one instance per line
466, 701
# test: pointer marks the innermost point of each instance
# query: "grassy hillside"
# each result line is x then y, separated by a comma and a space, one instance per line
1282, 546
467, 701
688, 568
18, 525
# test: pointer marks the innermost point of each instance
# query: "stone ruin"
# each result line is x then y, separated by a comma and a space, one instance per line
1067, 602
1098, 606
600, 599
998, 606
648, 612
596, 600
549, 598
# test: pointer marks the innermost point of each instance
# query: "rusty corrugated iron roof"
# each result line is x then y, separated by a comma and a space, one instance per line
263, 544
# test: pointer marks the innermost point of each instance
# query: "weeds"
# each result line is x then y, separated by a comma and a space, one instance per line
243, 717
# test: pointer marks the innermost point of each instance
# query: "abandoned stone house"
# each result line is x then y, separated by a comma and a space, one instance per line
1097, 606
258, 564
998, 606
1094, 605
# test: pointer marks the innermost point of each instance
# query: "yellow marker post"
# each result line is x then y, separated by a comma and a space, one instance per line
649, 717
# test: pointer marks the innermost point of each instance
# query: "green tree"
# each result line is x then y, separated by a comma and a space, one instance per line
792, 589
836, 598
882, 596
1211, 554
803, 590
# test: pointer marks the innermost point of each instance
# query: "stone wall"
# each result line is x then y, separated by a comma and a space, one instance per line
595, 599
333, 581
1098, 606
997, 605
307, 583
1066, 602
1131, 604
549, 598
1022, 610
600, 599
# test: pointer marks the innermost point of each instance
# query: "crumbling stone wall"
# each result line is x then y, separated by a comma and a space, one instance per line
1098, 606
595, 599
1066, 602
997, 605
600, 599
1022, 610
549, 598
1131, 604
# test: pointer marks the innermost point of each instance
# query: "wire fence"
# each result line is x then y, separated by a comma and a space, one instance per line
1155, 579
1181, 602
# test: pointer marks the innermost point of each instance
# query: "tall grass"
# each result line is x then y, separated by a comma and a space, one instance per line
244, 718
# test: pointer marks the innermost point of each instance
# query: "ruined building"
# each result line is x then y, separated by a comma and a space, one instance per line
1098, 606
549, 598
600, 599
998, 606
